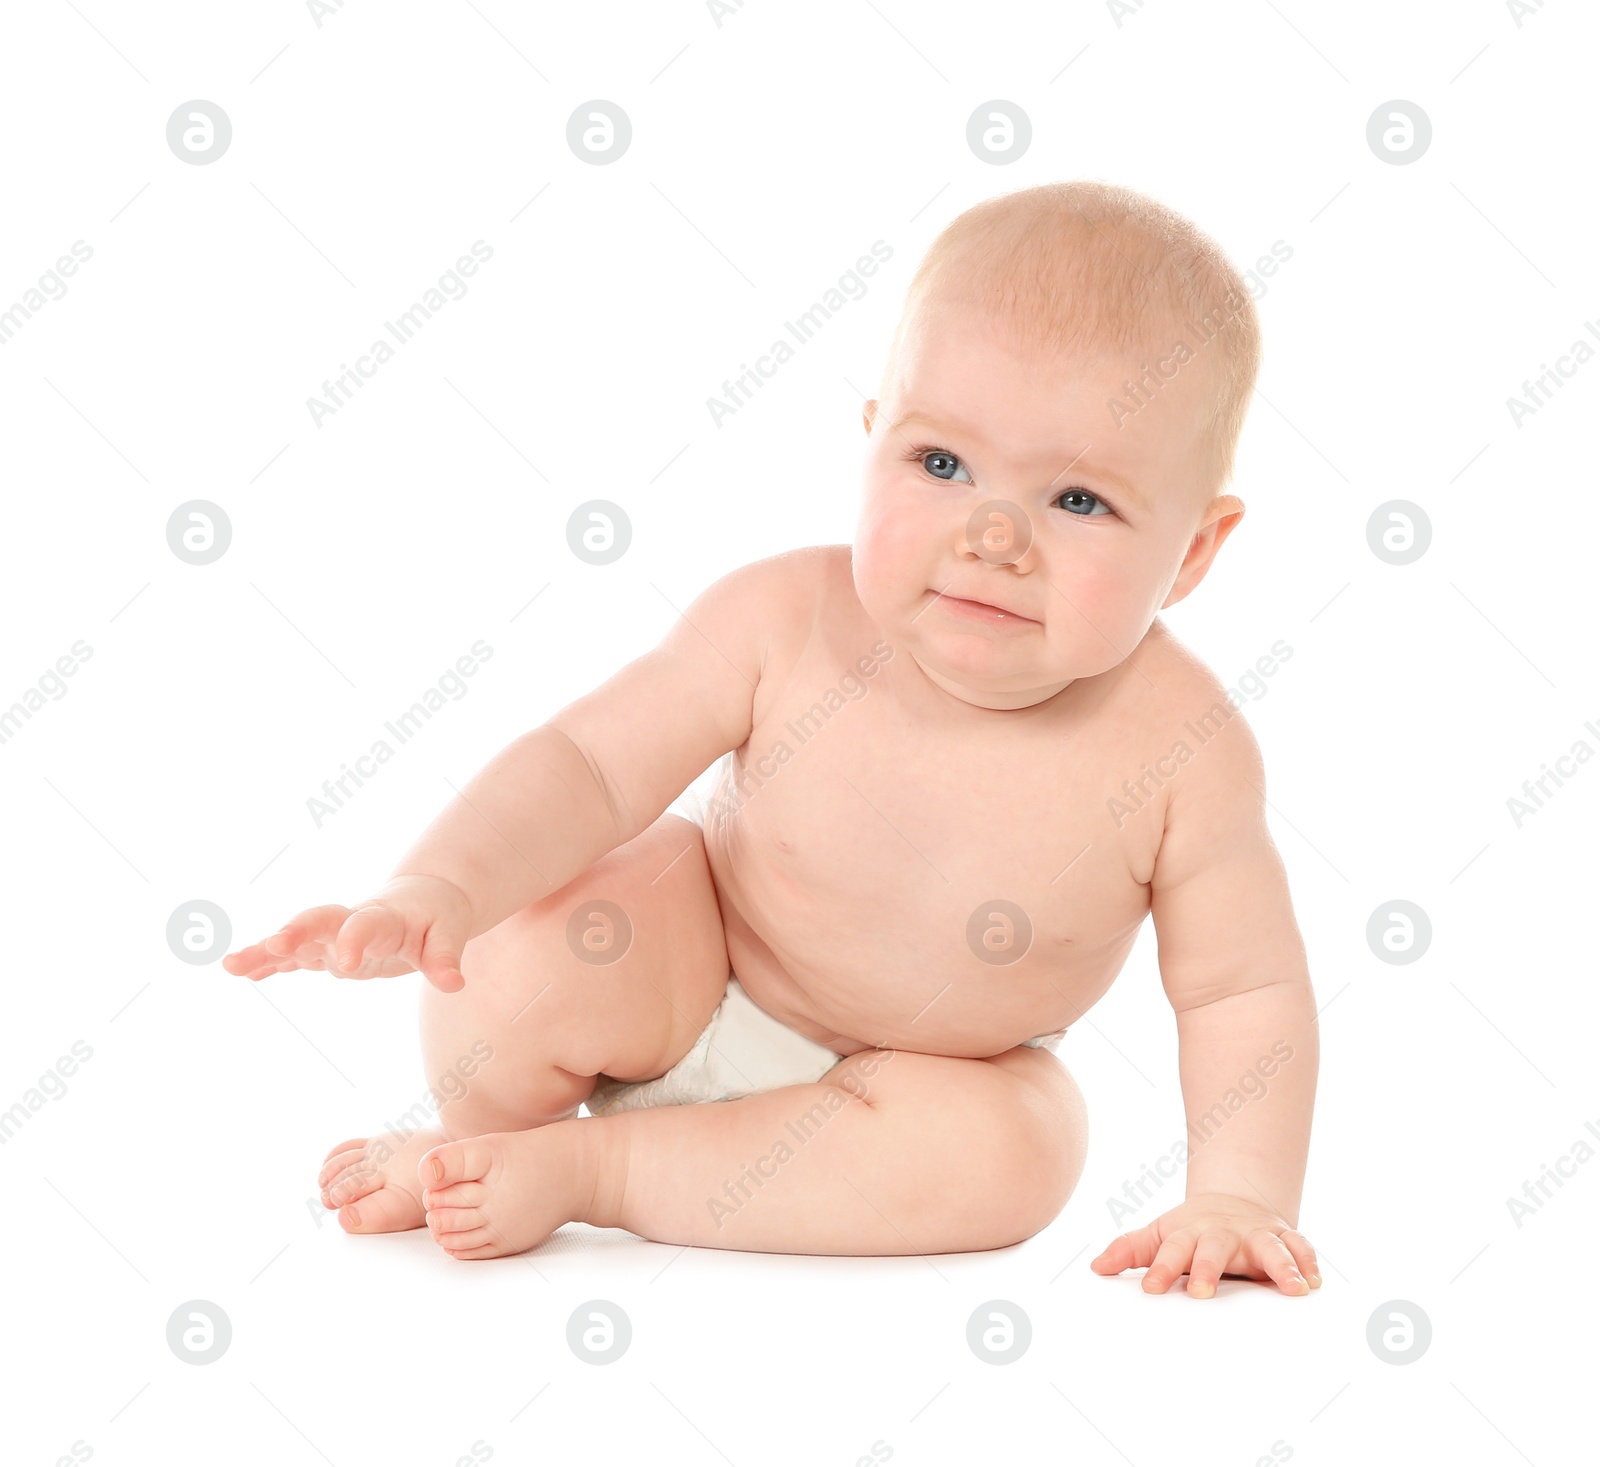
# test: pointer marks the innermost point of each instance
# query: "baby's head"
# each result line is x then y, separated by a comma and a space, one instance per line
1052, 435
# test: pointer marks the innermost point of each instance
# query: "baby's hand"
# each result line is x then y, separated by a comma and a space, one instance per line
1211, 1235
417, 923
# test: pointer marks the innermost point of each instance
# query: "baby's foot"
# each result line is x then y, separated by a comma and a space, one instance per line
373, 1181
506, 1191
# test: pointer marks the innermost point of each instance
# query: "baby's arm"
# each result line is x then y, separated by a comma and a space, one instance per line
1234, 969
603, 769
559, 797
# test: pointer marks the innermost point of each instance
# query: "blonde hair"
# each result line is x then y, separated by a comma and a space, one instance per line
1086, 264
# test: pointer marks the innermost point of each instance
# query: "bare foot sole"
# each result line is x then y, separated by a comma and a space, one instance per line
507, 1191
372, 1181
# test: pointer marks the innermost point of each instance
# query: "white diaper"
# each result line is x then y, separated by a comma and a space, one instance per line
742, 1051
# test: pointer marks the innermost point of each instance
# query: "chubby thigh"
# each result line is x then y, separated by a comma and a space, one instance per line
890, 1152
618, 972
1014, 1125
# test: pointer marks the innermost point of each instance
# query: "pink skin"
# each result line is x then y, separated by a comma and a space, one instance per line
1029, 429
1081, 594
998, 632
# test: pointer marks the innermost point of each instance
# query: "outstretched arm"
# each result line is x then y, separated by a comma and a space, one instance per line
555, 800
601, 770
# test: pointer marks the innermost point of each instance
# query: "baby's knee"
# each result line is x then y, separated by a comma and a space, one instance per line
1048, 1124
1012, 1131
466, 1080
513, 1098
453, 1078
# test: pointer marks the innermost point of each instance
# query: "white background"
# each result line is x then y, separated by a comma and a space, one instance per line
372, 551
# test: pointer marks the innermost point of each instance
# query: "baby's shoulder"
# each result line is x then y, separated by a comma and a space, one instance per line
790, 586
1175, 669
773, 604
1190, 708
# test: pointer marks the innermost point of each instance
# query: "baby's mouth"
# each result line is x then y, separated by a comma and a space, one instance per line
982, 611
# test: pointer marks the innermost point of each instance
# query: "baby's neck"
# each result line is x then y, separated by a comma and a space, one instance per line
986, 699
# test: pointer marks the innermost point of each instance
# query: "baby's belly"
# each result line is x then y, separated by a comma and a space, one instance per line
855, 963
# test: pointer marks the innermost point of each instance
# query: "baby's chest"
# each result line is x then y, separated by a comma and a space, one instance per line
862, 819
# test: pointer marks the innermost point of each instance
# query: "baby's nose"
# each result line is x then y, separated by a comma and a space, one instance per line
998, 531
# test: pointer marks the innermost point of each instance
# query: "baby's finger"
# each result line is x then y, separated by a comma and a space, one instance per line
367, 932
268, 969
246, 962
1266, 1249
1131, 1250
244, 959
441, 962
312, 925
1304, 1254
1171, 1260
386, 938
1212, 1254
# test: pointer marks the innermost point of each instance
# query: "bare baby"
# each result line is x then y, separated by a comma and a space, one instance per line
963, 759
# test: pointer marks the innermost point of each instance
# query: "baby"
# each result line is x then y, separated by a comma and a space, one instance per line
965, 759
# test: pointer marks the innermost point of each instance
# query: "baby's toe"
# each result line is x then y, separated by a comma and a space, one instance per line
352, 1184
357, 1143
445, 1222
456, 1161
479, 1243
387, 1210
337, 1166
463, 1194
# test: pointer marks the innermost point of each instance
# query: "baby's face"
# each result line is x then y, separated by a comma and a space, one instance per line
1097, 532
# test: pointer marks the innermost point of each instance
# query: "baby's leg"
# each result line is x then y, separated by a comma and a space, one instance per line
520, 1045
890, 1152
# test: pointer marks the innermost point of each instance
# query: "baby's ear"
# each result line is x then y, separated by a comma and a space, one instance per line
1226, 505
868, 413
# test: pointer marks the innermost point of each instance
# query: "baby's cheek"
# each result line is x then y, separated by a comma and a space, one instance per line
1104, 607
884, 551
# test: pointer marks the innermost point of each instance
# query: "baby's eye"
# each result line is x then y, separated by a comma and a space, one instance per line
1082, 502
944, 465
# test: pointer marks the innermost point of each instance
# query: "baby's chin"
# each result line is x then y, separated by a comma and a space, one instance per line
991, 668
